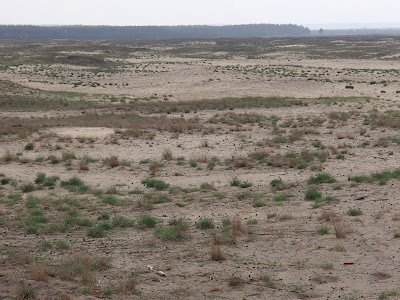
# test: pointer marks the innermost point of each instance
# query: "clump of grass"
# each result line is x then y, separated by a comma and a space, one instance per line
207, 186
82, 265
28, 187
381, 177
5, 181
235, 182
176, 231
322, 230
283, 197
122, 222
99, 231
127, 286
205, 224
156, 184
245, 184
67, 156
111, 200
75, 184
354, 211
62, 245
108, 290
269, 280
327, 266
27, 292
312, 193
259, 203
321, 178
147, 221
252, 222
385, 294
45, 245
279, 184
159, 198
42, 179
104, 216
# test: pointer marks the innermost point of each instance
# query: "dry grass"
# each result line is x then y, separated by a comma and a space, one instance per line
329, 216
215, 252
204, 144
112, 161
235, 281
21, 258
41, 272
341, 229
154, 167
127, 286
237, 227
203, 158
240, 162
167, 154
83, 165
8, 157
64, 297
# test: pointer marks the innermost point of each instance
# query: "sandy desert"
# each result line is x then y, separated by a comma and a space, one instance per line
200, 169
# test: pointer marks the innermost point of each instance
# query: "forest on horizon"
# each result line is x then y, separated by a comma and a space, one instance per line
81, 32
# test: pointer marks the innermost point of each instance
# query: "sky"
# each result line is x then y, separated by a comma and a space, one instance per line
199, 12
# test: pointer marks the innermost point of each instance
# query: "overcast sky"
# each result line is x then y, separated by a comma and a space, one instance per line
183, 12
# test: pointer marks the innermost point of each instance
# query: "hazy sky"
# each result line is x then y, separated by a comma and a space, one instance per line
176, 12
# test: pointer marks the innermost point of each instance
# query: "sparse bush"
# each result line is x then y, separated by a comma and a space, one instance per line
29, 146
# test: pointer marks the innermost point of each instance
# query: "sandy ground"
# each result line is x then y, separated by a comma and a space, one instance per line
279, 250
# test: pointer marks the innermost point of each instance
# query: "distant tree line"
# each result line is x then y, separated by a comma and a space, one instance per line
30, 32
392, 31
